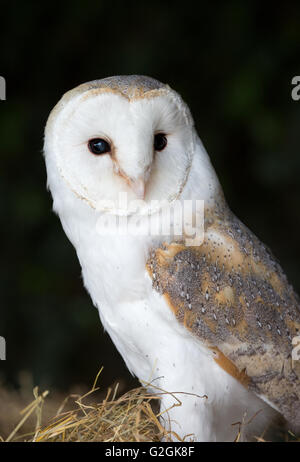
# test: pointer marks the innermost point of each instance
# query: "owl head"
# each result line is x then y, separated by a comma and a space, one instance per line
128, 134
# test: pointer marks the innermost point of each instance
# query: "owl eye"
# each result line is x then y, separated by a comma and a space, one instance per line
160, 141
98, 146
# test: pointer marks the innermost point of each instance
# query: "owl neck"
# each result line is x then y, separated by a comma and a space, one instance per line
203, 184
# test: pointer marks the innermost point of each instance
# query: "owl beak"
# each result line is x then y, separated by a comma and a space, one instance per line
138, 187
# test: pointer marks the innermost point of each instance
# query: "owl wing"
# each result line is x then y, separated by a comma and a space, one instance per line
233, 296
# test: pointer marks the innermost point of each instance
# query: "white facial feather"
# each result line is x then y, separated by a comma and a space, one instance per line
129, 126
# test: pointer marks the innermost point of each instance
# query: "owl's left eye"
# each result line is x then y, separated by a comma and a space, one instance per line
160, 141
98, 146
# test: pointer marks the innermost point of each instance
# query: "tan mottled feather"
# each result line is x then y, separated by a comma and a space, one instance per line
234, 297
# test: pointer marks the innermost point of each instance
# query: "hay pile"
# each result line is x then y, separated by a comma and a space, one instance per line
130, 417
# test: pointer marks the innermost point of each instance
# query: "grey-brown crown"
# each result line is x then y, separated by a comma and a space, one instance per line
128, 85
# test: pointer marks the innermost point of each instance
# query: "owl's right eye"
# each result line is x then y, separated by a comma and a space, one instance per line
98, 146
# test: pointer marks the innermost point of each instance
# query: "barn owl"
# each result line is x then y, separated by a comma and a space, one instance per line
212, 325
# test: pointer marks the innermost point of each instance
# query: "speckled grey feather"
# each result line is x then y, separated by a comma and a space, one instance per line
233, 296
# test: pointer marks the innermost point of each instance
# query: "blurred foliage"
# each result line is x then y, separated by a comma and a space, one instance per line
233, 63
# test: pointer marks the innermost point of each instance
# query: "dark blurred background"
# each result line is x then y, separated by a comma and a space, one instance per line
232, 62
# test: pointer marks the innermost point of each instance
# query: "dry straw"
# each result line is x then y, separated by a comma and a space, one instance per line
130, 417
